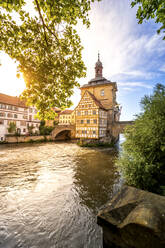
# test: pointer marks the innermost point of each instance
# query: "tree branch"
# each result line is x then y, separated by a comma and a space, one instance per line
44, 25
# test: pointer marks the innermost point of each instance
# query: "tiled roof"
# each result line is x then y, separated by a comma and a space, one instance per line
97, 102
96, 83
12, 100
66, 112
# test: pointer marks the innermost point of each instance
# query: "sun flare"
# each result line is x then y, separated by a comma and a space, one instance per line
9, 83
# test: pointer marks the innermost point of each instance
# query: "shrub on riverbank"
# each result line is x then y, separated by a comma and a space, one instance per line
99, 144
45, 130
142, 161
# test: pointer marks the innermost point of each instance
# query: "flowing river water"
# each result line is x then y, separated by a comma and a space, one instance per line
50, 194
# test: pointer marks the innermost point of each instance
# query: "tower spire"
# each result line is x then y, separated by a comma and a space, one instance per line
98, 67
98, 56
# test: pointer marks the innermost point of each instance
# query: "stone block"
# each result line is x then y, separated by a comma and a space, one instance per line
133, 219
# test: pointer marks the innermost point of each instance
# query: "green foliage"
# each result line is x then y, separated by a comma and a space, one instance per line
45, 130
12, 127
46, 47
142, 161
151, 9
30, 129
55, 123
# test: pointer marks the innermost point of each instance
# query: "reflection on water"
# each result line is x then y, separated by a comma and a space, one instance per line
50, 193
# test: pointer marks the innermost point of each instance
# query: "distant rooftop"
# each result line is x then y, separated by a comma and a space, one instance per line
66, 112
12, 100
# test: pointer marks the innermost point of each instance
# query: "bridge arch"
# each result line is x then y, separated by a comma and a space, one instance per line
118, 127
61, 129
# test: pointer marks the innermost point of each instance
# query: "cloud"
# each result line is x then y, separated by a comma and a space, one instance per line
126, 47
162, 68
155, 44
135, 74
135, 84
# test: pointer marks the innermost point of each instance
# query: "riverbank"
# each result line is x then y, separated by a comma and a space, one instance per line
27, 139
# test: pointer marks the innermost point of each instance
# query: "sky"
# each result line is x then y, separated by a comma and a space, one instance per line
133, 55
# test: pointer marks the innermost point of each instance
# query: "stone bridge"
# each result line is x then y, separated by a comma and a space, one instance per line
68, 131
118, 127
62, 128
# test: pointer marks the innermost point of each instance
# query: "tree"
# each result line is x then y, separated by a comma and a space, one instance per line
151, 9
142, 161
12, 127
46, 47
45, 130
30, 129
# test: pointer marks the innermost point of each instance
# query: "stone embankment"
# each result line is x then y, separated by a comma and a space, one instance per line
133, 219
22, 139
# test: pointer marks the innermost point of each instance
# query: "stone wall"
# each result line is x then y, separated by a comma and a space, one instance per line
133, 219
17, 139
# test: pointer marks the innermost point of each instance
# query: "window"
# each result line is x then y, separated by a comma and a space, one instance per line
88, 121
82, 106
24, 130
10, 115
1, 138
30, 110
15, 108
94, 132
86, 112
94, 112
102, 93
2, 106
10, 107
1, 122
2, 114
25, 117
82, 121
82, 131
95, 121
15, 116
89, 105
23, 123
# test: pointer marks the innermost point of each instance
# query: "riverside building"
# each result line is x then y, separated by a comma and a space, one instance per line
97, 109
67, 117
12, 109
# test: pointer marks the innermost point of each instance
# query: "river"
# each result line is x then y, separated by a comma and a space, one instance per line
50, 194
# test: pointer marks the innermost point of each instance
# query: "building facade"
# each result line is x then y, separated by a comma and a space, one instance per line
67, 117
55, 121
97, 109
91, 118
12, 109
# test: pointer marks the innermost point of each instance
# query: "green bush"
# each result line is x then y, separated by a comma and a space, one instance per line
142, 161
45, 130
12, 127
